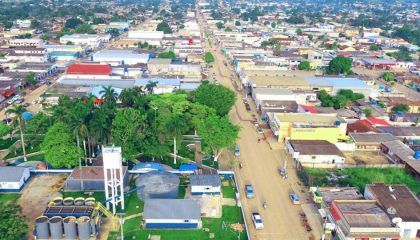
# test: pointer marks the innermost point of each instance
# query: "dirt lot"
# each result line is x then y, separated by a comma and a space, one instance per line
40, 190
365, 157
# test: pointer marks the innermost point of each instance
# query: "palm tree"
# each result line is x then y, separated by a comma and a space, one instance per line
108, 93
150, 86
175, 127
18, 121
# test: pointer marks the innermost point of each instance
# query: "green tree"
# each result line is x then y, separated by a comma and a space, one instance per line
59, 148
128, 131
30, 79
367, 112
84, 28
310, 37
13, 225
98, 21
237, 23
109, 94
164, 26
208, 57
339, 101
228, 29
19, 123
220, 25
72, 23
273, 24
150, 86
36, 128
114, 32
4, 129
266, 23
169, 54
340, 65
217, 97
401, 108
35, 24
375, 47
217, 133
304, 65
389, 77
299, 31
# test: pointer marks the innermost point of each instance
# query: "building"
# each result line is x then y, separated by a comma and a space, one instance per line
151, 37
397, 151
305, 126
120, 57
28, 54
333, 85
31, 42
361, 219
205, 184
13, 179
90, 40
23, 23
370, 141
171, 213
89, 178
401, 204
158, 66
163, 85
315, 153
89, 69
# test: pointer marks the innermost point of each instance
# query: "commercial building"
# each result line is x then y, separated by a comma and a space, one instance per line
171, 213
151, 37
31, 42
13, 179
158, 66
361, 219
304, 126
333, 85
402, 205
205, 184
315, 153
120, 57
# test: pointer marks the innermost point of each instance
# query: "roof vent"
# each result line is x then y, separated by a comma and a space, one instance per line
391, 211
391, 189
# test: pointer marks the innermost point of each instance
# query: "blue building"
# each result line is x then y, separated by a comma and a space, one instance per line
171, 213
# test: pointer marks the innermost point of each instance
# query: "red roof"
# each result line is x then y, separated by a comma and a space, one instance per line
377, 122
308, 109
89, 69
361, 126
334, 212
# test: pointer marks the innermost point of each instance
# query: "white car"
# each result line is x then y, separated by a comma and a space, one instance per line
256, 218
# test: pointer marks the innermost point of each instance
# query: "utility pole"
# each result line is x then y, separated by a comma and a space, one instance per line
174, 150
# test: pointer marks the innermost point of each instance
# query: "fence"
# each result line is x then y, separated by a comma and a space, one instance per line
325, 165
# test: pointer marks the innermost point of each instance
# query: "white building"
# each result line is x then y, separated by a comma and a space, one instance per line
314, 153
13, 179
151, 37
91, 40
120, 57
30, 42
25, 23
205, 184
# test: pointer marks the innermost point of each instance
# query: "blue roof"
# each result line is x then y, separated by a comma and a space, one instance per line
57, 54
160, 81
187, 167
340, 82
148, 165
26, 115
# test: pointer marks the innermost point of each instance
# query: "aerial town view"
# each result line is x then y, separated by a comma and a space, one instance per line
210, 119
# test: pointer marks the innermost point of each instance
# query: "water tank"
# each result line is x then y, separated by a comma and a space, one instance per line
69, 201
41, 228
58, 201
157, 184
417, 155
90, 201
337, 123
83, 227
56, 227
80, 201
70, 228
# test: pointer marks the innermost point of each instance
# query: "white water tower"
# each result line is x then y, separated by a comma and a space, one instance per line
114, 178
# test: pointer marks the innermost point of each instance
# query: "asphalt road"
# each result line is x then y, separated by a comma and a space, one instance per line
260, 164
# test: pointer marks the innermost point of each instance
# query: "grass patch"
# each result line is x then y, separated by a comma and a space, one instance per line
8, 198
40, 157
133, 205
228, 191
183, 182
211, 163
18, 151
359, 177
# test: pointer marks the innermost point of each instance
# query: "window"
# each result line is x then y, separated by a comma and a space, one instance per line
313, 157
186, 220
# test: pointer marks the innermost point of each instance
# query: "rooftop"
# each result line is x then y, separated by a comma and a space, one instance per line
401, 131
171, 209
90, 173
205, 180
400, 198
315, 147
11, 174
330, 194
338, 82
89, 69
305, 118
371, 137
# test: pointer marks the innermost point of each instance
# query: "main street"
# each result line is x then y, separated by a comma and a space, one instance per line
260, 164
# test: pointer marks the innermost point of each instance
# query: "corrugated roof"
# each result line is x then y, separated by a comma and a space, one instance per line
205, 180
171, 209
315, 147
11, 174
372, 137
89, 69
341, 82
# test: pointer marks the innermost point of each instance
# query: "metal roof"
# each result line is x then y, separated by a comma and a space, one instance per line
171, 209
205, 180
341, 82
11, 174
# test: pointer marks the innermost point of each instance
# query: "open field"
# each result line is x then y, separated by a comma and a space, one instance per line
359, 177
365, 157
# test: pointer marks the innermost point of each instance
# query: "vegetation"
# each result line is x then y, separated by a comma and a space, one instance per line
169, 54
220, 25
274, 43
375, 47
367, 112
304, 65
403, 54
359, 177
389, 77
217, 97
343, 98
408, 34
164, 26
13, 225
228, 191
401, 108
340, 65
18, 123
208, 57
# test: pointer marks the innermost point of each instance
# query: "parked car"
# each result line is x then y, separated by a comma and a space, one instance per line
249, 190
19, 100
258, 223
294, 198
10, 101
237, 153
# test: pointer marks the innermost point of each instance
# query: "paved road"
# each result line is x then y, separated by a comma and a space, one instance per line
281, 218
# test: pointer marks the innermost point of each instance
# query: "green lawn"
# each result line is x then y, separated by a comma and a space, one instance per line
211, 163
183, 181
228, 191
40, 157
8, 198
133, 204
359, 177
222, 231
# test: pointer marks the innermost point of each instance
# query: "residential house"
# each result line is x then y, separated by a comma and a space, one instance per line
205, 184
315, 153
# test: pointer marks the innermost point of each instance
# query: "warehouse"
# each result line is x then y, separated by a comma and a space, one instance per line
205, 184
89, 178
13, 179
120, 57
333, 85
89, 69
171, 213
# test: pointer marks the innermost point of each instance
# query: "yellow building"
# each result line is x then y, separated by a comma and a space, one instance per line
305, 126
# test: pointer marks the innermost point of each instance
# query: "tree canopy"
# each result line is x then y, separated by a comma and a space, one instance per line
164, 26
13, 224
217, 97
401, 108
340, 65
389, 77
208, 57
72, 23
304, 65
343, 98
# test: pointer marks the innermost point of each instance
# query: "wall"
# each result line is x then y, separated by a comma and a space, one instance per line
197, 190
330, 134
171, 223
321, 159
